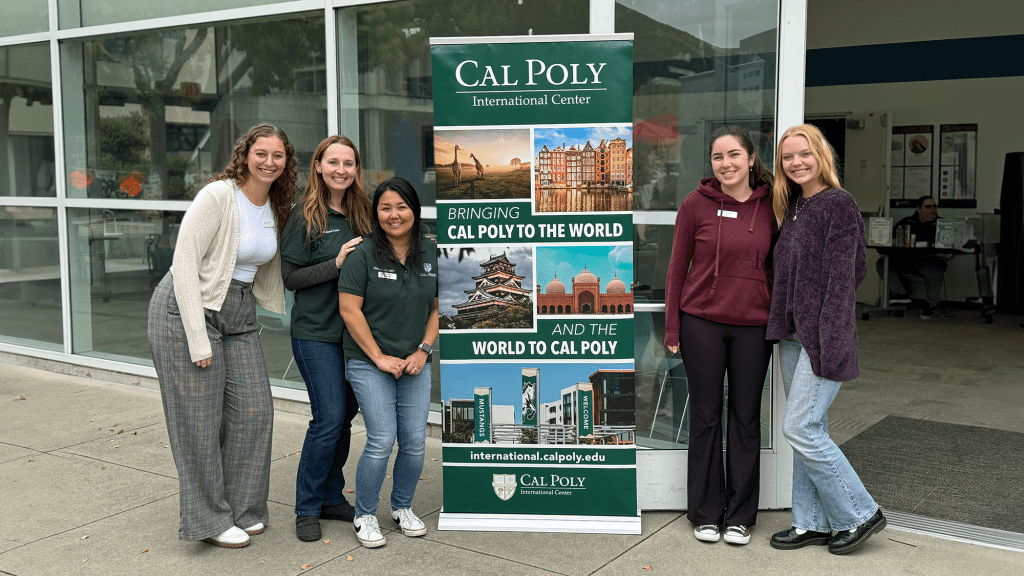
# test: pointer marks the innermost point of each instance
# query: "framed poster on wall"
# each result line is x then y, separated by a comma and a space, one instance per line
911, 164
958, 160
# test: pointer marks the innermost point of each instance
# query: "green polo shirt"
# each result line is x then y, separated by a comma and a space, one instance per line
396, 299
315, 313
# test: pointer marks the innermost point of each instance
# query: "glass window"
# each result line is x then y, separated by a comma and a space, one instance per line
152, 115
662, 397
30, 303
384, 72
26, 121
116, 259
75, 13
24, 17
697, 65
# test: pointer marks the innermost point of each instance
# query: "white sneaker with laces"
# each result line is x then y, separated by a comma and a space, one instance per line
706, 533
410, 523
233, 537
738, 534
368, 531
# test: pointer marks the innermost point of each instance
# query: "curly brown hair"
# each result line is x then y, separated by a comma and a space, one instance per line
316, 197
282, 191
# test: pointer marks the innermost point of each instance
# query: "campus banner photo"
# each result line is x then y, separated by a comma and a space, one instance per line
533, 144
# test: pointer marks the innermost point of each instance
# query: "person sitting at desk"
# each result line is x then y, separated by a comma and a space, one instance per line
930, 267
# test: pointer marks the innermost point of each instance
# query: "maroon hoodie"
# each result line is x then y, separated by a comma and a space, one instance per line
718, 251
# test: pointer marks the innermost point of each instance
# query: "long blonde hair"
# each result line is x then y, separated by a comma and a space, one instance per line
785, 189
317, 196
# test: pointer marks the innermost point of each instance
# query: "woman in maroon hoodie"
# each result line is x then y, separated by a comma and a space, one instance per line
716, 308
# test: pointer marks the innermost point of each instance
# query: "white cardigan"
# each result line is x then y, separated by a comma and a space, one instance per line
204, 259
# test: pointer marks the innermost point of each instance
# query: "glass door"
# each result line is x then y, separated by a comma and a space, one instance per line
698, 65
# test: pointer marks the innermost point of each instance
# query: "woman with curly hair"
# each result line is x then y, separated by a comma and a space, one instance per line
205, 340
322, 230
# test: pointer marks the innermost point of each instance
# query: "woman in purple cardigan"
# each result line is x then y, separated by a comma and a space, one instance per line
818, 265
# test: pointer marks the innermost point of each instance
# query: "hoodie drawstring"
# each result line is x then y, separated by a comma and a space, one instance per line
753, 217
718, 247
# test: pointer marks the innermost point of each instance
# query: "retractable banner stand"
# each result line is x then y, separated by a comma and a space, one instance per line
533, 153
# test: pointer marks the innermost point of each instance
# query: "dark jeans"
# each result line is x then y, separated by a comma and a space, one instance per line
320, 480
723, 491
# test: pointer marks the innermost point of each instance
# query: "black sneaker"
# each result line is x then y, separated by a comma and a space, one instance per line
927, 312
342, 511
307, 528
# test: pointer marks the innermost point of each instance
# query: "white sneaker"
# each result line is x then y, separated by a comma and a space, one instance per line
233, 537
706, 533
411, 525
255, 529
368, 531
738, 534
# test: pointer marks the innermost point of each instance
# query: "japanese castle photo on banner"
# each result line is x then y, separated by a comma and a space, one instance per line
533, 157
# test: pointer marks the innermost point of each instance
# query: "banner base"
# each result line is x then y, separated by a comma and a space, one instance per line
539, 523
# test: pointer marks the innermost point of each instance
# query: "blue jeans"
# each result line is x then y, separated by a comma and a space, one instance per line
320, 480
827, 493
393, 409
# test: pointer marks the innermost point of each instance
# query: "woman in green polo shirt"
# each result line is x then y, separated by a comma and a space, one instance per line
321, 231
387, 294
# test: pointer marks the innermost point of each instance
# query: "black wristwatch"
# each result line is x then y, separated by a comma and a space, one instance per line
426, 348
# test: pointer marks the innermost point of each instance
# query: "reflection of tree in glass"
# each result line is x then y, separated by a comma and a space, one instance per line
263, 56
123, 143
156, 59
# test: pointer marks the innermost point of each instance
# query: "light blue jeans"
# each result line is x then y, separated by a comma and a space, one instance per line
393, 409
827, 493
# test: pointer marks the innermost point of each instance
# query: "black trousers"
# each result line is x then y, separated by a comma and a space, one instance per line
723, 490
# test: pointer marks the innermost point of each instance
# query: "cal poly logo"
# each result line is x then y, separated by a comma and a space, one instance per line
504, 485
427, 266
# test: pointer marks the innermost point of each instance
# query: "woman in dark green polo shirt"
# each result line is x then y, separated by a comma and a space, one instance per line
388, 297
321, 231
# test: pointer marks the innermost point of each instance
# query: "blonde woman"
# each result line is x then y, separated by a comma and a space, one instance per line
818, 264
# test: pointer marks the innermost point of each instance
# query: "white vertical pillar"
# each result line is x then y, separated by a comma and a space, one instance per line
602, 16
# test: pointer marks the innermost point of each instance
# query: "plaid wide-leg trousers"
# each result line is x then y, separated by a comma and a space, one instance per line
220, 419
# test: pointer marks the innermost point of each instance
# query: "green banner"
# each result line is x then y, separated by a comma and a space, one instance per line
533, 165
532, 81
482, 416
585, 422
513, 223
570, 339
541, 480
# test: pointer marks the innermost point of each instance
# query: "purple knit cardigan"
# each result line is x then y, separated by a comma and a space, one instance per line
819, 262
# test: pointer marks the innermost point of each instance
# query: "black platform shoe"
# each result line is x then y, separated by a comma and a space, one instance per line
846, 541
790, 540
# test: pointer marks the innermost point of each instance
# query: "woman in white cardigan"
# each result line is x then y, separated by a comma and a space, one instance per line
205, 340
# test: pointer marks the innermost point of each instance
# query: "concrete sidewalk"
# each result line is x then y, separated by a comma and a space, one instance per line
79, 496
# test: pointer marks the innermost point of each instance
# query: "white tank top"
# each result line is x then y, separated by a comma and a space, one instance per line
257, 240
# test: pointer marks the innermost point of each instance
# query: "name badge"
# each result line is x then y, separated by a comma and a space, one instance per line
268, 222
727, 214
387, 275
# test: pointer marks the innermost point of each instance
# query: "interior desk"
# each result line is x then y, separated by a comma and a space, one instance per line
886, 251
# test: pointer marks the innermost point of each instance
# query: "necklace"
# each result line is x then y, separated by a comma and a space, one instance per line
800, 207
